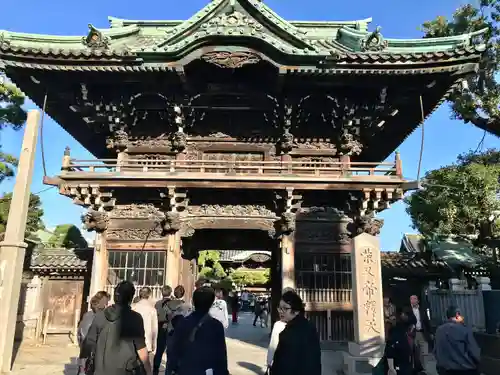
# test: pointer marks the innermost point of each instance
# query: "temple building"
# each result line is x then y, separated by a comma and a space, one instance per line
238, 129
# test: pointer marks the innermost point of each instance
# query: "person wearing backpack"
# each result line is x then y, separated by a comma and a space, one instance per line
97, 303
198, 345
116, 339
163, 312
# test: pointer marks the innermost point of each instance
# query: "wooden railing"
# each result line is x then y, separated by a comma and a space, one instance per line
234, 167
341, 296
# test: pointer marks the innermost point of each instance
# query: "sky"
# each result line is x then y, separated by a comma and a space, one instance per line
444, 138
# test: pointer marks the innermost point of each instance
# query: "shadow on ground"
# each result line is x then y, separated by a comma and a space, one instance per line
245, 332
252, 367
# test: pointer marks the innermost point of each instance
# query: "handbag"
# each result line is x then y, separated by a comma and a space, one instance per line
135, 366
89, 367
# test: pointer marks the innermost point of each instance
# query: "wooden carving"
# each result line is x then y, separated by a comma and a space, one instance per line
231, 60
133, 234
288, 222
368, 224
230, 210
95, 221
179, 141
137, 211
171, 223
118, 140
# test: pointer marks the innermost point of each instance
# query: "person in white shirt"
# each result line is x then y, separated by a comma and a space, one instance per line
278, 327
150, 318
219, 309
423, 334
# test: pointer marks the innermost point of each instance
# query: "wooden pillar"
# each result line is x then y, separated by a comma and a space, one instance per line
173, 259
287, 261
13, 247
276, 280
99, 265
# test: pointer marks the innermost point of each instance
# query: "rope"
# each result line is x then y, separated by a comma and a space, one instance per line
422, 139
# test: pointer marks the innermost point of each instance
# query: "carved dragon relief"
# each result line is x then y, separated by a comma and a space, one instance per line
231, 60
137, 211
133, 234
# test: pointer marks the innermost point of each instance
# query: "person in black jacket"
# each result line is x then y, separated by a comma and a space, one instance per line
116, 338
298, 351
199, 343
400, 347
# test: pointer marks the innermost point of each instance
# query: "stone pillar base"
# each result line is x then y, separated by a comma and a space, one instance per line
361, 359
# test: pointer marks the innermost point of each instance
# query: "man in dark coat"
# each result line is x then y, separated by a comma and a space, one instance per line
199, 343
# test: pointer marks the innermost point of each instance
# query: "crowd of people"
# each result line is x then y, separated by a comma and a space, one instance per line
409, 336
132, 335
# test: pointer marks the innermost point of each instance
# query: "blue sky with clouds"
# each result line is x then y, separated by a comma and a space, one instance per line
444, 138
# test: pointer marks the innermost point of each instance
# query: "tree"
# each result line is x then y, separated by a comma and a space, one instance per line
11, 114
250, 277
34, 220
67, 236
209, 265
458, 199
479, 103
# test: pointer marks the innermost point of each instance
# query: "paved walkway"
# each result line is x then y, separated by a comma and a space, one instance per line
246, 344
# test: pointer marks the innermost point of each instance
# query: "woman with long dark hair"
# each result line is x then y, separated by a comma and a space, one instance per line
298, 351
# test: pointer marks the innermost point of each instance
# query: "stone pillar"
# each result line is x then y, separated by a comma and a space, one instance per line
12, 249
173, 259
288, 261
368, 346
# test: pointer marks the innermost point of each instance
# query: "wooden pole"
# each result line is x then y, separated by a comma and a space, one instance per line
13, 247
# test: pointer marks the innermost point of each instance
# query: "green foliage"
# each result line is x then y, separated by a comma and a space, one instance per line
209, 265
11, 114
480, 103
35, 212
457, 199
250, 277
67, 236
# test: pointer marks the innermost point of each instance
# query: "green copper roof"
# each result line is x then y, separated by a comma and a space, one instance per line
232, 22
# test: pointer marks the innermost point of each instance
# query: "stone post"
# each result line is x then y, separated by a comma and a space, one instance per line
368, 346
13, 247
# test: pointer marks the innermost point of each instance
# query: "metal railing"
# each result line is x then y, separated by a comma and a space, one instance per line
235, 167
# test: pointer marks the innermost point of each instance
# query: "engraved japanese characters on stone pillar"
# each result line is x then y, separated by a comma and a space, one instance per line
367, 293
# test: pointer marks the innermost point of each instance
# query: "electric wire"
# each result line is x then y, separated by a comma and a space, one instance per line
422, 140
35, 193
141, 253
42, 149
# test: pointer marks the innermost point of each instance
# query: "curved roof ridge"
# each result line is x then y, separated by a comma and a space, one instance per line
14, 36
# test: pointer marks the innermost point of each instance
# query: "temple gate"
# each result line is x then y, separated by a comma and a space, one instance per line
238, 129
